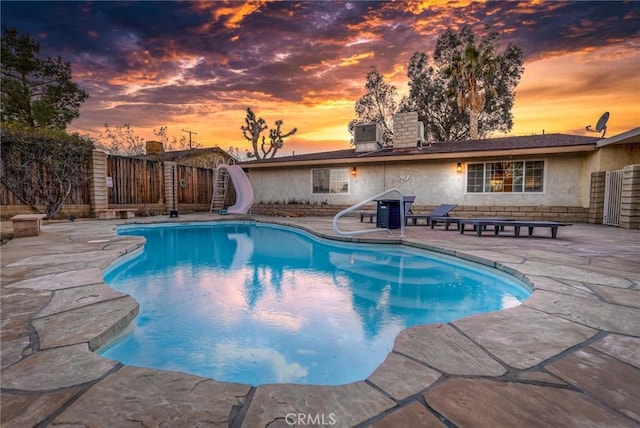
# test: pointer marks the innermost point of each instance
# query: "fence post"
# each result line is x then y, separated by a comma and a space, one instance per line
630, 205
169, 182
99, 198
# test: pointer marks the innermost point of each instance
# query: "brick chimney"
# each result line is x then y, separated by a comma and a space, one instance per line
155, 148
405, 131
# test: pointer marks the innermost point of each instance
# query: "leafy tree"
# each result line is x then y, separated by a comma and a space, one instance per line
36, 92
252, 131
480, 79
437, 93
428, 96
376, 105
43, 166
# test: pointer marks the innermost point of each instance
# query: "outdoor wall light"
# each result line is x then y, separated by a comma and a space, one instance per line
459, 167
353, 171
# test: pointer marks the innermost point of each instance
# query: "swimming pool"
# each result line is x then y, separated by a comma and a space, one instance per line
258, 303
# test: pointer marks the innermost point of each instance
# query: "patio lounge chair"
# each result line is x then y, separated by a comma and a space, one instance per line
498, 225
441, 211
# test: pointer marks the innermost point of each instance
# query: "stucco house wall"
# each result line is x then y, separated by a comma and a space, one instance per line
432, 182
574, 177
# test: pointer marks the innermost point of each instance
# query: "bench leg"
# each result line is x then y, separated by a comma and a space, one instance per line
516, 231
554, 232
530, 230
361, 218
461, 228
496, 230
479, 230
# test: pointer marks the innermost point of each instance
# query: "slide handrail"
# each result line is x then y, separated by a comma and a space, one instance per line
360, 204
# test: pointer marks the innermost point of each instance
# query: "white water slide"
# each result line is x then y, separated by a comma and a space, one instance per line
244, 191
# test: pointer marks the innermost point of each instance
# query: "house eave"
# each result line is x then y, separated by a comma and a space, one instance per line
411, 157
630, 137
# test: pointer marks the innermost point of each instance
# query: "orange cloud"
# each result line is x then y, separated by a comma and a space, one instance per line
355, 59
236, 14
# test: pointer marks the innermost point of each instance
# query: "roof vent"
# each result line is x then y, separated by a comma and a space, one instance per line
367, 137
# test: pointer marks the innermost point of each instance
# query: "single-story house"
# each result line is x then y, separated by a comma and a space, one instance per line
546, 176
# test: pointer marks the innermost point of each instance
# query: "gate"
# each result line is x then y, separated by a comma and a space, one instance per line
612, 198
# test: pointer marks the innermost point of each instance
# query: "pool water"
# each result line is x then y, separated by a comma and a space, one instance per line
256, 303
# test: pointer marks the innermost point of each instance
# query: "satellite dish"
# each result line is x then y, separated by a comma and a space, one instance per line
601, 126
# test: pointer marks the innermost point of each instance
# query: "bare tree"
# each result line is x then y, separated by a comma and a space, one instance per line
121, 140
172, 144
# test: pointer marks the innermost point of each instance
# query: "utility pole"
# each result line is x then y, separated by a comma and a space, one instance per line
190, 132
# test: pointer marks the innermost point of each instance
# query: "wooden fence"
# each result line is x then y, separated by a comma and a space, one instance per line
194, 185
135, 182
11, 204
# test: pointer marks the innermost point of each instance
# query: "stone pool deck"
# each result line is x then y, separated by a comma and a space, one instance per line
568, 357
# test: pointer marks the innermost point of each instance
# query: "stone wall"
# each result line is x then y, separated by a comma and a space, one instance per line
565, 214
97, 181
596, 199
170, 181
630, 206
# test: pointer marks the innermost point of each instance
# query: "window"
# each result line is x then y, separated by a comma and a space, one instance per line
330, 180
505, 177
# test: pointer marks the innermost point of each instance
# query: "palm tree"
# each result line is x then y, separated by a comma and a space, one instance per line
470, 72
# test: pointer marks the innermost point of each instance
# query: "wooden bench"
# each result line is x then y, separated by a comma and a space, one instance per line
112, 213
27, 224
499, 225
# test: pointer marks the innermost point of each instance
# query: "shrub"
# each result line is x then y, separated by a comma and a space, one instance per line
42, 166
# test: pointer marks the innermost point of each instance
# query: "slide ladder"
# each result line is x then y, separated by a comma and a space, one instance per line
244, 192
220, 186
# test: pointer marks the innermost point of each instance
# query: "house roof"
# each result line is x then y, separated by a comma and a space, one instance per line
632, 136
189, 153
531, 144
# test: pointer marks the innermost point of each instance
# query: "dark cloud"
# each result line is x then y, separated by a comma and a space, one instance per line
182, 53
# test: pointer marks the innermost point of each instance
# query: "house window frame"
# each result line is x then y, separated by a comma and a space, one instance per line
342, 171
486, 185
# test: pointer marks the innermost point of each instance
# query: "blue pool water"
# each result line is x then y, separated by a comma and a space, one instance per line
256, 303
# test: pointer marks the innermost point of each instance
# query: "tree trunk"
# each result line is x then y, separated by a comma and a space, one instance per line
474, 117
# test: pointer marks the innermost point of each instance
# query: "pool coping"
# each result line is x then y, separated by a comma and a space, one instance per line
412, 382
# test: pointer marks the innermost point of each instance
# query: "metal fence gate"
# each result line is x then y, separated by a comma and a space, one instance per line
612, 198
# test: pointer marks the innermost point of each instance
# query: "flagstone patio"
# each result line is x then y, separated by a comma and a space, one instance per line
568, 356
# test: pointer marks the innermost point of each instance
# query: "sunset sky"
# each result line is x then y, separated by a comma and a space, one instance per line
198, 65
